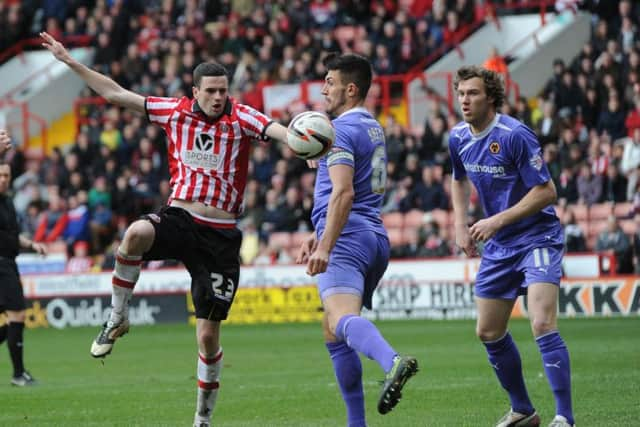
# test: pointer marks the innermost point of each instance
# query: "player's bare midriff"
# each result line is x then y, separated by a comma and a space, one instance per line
202, 209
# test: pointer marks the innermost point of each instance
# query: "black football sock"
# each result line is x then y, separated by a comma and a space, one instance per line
15, 332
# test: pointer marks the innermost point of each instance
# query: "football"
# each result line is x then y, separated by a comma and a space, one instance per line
310, 135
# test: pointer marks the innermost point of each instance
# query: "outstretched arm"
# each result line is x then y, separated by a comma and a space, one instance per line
103, 85
277, 131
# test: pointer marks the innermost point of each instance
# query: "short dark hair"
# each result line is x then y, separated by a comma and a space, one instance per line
353, 68
208, 69
493, 84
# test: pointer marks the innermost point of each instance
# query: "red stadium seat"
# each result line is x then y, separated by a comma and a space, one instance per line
581, 212
413, 218
409, 233
623, 210
442, 217
600, 211
298, 238
585, 226
280, 239
396, 238
393, 220
596, 227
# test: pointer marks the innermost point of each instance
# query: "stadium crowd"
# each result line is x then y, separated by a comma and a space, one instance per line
587, 119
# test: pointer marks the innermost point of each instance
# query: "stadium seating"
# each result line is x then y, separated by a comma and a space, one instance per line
400, 224
393, 220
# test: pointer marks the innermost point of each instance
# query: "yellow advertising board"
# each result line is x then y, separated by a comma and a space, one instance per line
272, 305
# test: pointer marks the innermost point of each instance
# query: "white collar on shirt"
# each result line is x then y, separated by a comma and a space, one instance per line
354, 110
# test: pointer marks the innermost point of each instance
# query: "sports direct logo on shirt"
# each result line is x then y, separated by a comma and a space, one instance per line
199, 159
492, 169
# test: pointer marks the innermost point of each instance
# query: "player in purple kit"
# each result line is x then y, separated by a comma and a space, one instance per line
349, 250
523, 239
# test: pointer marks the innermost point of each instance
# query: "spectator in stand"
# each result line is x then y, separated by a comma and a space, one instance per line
71, 164
548, 128
53, 221
435, 242
567, 94
567, 186
453, 30
411, 168
613, 241
292, 215
566, 142
626, 11
523, 111
631, 91
428, 194
122, 199
29, 220
434, 139
574, 239
77, 228
590, 108
27, 188
589, 186
84, 150
611, 119
80, 261
262, 164
615, 187
596, 155
631, 162
273, 213
111, 136
99, 193
497, 63
632, 121
556, 80
397, 196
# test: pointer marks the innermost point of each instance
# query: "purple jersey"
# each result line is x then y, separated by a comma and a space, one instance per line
360, 144
504, 162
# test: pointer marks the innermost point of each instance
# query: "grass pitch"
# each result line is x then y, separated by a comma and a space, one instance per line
280, 375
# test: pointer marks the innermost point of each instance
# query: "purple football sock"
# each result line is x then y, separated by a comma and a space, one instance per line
555, 358
348, 370
505, 359
362, 335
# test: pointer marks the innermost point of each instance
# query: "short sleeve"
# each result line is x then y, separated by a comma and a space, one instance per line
527, 155
159, 109
253, 122
459, 171
342, 152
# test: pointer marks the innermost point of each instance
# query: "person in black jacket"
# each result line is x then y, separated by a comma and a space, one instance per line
11, 296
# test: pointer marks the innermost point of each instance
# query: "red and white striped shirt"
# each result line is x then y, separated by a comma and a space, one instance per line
208, 158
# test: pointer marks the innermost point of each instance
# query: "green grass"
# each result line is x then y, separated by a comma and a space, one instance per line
280, 375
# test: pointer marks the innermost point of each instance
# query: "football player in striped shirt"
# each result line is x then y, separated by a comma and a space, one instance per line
209, 141
523, 239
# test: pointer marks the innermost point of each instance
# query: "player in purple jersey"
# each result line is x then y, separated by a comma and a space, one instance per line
349, 250
523, 239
